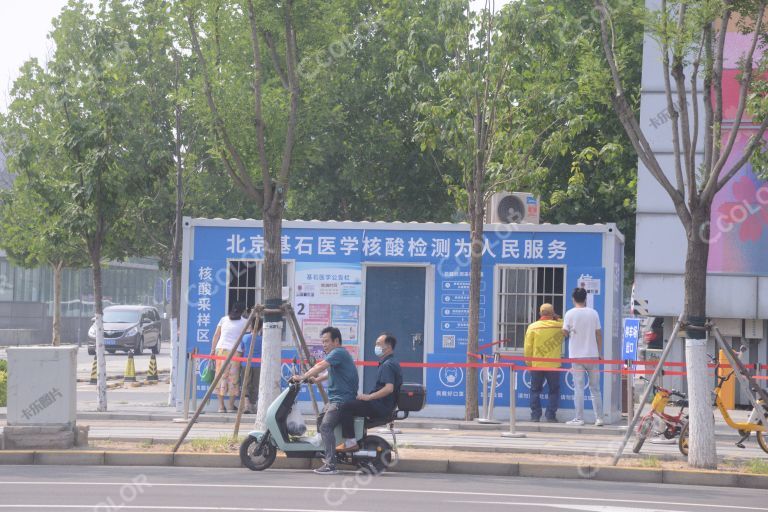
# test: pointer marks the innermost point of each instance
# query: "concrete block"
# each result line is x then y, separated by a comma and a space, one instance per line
421, 466
552, 471
207, 460
17, 457
482, 468
753, 481
81, 435
41, 386
69, 458
633, 475
138, 458
22, 438
708, 478
292, 463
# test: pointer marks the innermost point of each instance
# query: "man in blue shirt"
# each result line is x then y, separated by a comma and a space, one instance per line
381, 401
342, 388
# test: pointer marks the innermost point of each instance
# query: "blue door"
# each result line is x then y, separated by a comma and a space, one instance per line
394, 302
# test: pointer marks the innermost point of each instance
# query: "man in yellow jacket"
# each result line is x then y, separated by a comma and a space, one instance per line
544, 339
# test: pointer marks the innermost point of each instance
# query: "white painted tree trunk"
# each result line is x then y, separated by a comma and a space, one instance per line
101, 364
269, 382
702, 452
172, 388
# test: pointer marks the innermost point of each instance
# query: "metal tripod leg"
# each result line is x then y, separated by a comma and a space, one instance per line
216, 380
742, 375
303, 344
303, 362
247, 374
648, 389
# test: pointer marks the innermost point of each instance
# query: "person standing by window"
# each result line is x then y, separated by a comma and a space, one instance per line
582, 325
224, 339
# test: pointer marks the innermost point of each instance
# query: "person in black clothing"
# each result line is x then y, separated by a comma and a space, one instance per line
381, 401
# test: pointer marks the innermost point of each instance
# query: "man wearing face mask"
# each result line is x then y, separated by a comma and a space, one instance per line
378, 403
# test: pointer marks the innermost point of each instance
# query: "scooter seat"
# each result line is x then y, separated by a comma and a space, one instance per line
380, 420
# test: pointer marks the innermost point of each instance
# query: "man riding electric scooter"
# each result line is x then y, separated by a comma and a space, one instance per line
380, 402
342, 388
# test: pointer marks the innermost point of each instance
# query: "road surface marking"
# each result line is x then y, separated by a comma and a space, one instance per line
167, 507
564, 506
89, 483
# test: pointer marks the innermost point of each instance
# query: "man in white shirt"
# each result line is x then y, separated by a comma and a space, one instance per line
582, 325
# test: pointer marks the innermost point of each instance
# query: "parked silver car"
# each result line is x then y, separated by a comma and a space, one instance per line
128, 328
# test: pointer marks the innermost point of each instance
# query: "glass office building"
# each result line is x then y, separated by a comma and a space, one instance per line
26, 297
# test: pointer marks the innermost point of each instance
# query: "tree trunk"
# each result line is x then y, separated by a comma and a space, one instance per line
702, 452
175, 259
269, 382
98, 308
475, 277
57, 269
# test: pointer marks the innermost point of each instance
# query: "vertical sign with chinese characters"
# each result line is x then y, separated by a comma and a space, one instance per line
630, 337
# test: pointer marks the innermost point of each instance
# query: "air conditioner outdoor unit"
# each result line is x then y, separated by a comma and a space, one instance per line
512, 208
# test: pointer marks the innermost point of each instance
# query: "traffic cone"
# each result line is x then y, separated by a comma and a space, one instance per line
130, 369
94, 371
152, 371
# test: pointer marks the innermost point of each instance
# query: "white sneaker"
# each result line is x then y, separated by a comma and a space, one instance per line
599, 422
575, 422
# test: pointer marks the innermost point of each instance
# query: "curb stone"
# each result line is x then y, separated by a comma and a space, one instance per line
521, 469
483, 468
630, 475
708, 478
69, 458
138, 459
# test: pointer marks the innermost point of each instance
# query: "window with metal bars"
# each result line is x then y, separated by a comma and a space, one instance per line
521, 290
246, 284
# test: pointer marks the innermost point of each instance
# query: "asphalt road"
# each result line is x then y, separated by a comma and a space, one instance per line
116, 362
202, 489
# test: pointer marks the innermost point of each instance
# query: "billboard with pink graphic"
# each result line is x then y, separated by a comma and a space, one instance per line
739, 229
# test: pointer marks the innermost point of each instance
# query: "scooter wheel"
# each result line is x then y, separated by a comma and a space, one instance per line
257, 461
383, 459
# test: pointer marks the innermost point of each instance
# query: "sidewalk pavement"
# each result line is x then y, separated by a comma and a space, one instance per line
153, 422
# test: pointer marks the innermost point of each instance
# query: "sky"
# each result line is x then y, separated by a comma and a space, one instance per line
24, 25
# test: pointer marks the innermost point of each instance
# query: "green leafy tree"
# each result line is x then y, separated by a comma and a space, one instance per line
692, 38
31, 231
250, 84
468, 112
362, 162
92, 109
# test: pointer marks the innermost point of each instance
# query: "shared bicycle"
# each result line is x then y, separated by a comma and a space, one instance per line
658, 421
756, 422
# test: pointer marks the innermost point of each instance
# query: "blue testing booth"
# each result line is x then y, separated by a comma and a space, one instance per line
412, 280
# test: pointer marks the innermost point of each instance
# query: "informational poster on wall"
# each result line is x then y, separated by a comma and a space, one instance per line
328, 294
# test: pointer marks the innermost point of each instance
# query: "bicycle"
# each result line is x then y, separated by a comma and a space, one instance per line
673, 423
753, 424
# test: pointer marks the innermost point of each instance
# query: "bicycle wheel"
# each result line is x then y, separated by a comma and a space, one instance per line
761, 437
642, 432
682, 443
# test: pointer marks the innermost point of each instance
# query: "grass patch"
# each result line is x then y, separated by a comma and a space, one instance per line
145, 444
757, 467
223, 444
649, 462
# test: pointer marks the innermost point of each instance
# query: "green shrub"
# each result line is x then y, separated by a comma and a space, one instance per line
3, 365
3, 388
757, 466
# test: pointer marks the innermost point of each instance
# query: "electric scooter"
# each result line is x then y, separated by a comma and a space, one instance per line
374, 455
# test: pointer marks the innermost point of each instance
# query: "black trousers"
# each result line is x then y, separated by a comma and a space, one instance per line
349, 410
